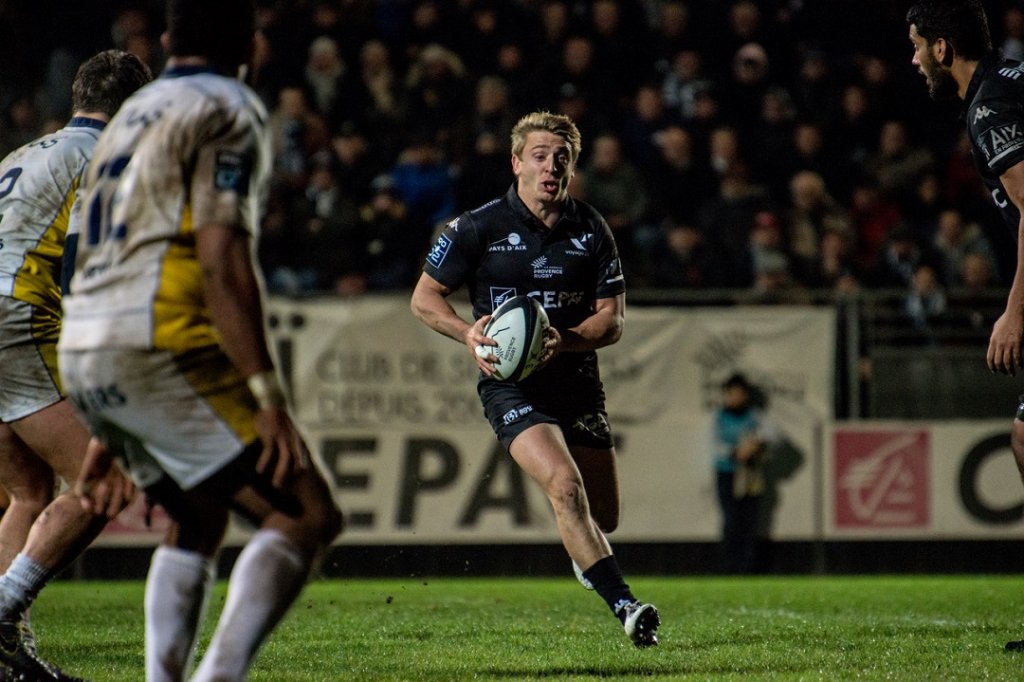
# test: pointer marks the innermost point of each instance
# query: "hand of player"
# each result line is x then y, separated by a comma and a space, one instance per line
475, 337
284, 452
1004, 353
552, 346
102, 487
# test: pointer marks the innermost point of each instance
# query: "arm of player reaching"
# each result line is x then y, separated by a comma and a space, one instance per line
233, 299
602, 328
1004, 346
430, 305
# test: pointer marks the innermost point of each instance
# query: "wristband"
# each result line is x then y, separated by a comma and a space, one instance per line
265, 387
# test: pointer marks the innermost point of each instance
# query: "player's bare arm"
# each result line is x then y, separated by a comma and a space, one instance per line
603, 328
430, 305
233, 299
1004, 347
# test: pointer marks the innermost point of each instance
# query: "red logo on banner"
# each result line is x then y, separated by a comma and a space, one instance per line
881, 479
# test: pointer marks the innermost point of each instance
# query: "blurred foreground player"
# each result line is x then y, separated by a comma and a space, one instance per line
40, 437
953, 51
536, 240
163, 347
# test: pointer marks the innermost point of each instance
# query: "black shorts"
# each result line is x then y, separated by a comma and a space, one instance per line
577, 407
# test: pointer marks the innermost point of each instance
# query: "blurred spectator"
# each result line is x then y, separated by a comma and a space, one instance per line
727, 219
683, 82
774, 148
955, 239
621, 53
643, 123
896, 164
356, 166
307, 252
682, 258
815, 90
679, 183
390, 251
856, 128
492, 114
813, 211
21, 123
896, 263
614, 187
673, 32
297, 133
387, 107
743, 93
774, 283
424, 182
1012, 46
836, 268
874, 217
438, 95
925, 304
336, 91
514, 69
486, 173
572, 102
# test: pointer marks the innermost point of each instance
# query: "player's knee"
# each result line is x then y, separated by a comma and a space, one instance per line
568, 495
323, 519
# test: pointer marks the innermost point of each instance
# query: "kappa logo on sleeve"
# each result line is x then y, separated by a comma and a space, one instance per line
231, 172
439, 251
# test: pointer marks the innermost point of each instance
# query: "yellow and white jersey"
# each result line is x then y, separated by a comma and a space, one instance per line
188, 150
38, 185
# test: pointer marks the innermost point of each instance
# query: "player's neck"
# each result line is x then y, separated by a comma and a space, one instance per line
97, 115
963, 72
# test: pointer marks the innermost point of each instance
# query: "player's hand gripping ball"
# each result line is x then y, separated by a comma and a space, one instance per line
518, 325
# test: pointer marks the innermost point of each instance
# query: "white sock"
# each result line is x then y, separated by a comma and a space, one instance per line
177, 593
20, 585
268, 576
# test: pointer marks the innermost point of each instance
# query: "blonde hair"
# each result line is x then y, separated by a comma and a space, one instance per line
545, 121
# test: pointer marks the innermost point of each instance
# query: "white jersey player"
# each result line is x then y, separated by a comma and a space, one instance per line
39, 435
163, 348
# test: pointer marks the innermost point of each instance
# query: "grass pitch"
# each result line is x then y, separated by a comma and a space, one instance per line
777, 628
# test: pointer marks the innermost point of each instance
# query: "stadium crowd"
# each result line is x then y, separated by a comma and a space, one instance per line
767, 145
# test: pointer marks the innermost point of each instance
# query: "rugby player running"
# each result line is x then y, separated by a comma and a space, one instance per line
537, 240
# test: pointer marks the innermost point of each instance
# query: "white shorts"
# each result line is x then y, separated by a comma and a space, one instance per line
184, 415
28, 359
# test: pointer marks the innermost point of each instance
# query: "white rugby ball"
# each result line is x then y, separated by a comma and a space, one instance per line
518, 326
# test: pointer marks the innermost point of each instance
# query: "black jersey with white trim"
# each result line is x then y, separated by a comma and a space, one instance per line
995, 123
501, 249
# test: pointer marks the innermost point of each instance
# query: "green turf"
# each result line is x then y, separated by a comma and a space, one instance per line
791, 628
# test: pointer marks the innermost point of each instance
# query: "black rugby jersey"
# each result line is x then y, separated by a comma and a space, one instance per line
501, 250
995, 123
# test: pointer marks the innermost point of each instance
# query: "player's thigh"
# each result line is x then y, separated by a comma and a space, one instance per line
23, 475
57, 436
541, 452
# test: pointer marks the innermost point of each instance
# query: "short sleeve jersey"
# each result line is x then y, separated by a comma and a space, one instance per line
501, 249
995, 122
188, 150
38, 186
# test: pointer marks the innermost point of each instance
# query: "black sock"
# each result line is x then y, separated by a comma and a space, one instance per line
607, 580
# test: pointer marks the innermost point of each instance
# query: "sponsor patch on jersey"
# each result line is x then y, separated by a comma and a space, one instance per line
439, 251
501, 294
231, 172
516, 413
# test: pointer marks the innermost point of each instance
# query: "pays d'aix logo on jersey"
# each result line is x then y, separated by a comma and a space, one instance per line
513, 242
